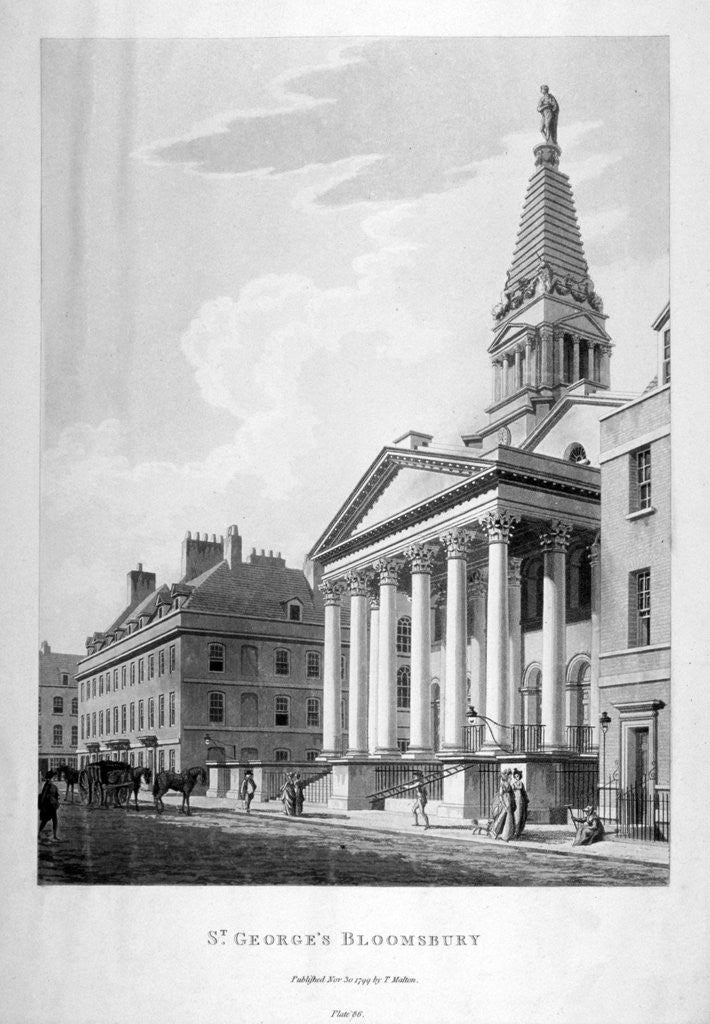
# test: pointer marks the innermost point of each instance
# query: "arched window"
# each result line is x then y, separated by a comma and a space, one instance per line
575, 452
282, 711
249, 711
404, 688
404, 635
313, 664
58, 705
75, 705
313, 712
531, 596
282, 755
216, 657
216, 707
282, 663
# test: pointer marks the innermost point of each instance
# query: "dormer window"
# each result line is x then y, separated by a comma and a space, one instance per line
576, 453
294, 611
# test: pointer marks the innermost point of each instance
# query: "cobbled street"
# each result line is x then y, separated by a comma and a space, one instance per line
220, 847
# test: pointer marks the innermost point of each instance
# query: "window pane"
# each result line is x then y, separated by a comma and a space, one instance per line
313, 665
282, 663
216, 658
281, 711
313, 712
216, 708
403, 688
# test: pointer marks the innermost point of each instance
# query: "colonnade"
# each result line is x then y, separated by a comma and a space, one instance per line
538, 360
496, 641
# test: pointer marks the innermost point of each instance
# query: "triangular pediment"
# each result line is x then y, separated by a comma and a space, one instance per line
585, 324
398, 479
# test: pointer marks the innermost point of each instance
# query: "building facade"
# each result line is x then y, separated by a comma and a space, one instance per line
226, 663
635, 580
496, 544
58, 734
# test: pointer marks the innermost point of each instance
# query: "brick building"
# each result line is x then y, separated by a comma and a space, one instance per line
635, 578
58, 733
225, 662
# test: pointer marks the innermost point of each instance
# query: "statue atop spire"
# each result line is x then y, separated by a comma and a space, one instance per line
549, 109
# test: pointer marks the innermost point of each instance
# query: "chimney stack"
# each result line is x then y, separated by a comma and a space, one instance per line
140, 584
44, 648
233, 547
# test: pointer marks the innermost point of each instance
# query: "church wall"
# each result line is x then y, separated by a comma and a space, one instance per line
580, 423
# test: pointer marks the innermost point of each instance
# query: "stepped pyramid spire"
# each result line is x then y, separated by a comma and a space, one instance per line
549, 332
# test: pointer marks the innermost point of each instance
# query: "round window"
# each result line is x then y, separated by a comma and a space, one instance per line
576, 453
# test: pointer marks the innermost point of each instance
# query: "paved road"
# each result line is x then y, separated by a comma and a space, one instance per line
221, 847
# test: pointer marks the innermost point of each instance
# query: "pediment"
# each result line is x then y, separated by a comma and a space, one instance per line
397, 480
584, 324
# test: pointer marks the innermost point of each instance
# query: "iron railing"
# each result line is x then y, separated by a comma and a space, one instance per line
528, 739
318, 783
643, 811
473, 738
580, 738
401, 773
576, 785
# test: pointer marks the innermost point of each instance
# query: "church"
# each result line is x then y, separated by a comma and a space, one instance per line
498, 548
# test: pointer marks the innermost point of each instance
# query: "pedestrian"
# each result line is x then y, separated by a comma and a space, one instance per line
520, 795
247, 789
299, 786
589, 829
47, 804
419, 806
288, 796
503, 810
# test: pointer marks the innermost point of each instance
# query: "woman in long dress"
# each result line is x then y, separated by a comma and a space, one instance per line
288, 796
520, 796
298, 788
503, 825
589, 828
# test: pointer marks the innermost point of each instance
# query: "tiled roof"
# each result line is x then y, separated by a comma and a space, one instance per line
146, 607
261, 590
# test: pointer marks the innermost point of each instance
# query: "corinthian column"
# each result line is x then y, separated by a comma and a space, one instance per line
554, 545
594, 561
514, 640
331, 591
546, 358
422, 562
499, 526
357, 699
575, 357
372, 708
388, 570
456, 543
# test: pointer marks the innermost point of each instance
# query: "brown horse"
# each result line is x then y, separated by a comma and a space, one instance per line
70, 776
132, 778
182, 782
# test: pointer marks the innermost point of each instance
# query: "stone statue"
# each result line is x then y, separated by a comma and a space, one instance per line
548, 108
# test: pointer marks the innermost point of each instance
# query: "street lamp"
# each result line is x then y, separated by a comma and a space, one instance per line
472, 715
604, 722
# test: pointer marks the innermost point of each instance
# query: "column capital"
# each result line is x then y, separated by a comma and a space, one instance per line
332, 591
499, 525
457, 542
556, 536
422, 557
477, 584
546, 333
595, 551
388, 570
514, 573
358, 582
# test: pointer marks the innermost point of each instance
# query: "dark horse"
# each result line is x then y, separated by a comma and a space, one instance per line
70, 776
183, 782
94, 776
132, 778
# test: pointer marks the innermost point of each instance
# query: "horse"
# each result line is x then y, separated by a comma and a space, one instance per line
183, 782
70, 776
132, 778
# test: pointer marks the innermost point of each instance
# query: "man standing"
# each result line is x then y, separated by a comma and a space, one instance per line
47, 803
247, 789
421, 801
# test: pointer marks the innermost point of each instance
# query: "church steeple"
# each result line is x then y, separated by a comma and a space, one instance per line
549, 327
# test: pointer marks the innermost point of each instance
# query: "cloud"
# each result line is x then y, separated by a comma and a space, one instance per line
379, 119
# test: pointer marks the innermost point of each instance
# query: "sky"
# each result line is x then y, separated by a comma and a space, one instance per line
263, 260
